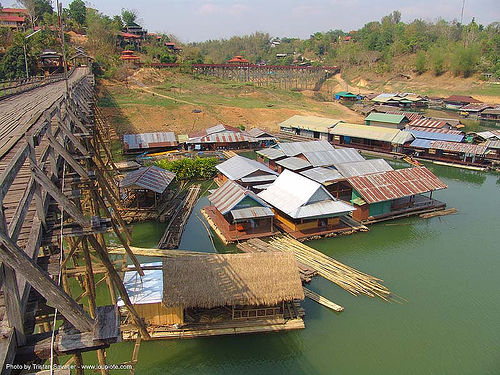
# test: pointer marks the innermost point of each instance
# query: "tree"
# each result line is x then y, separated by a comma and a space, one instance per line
421, 63
36, 9
437, 60
129, 16
77, 11
465, 61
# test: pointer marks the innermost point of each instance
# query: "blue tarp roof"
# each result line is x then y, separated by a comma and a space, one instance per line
436, 136
421, 143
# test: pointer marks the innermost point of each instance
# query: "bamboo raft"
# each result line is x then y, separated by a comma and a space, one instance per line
348, 278
322, 300
229, 154
173, 233
449, 211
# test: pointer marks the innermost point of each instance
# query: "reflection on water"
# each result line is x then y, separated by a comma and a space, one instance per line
446, 268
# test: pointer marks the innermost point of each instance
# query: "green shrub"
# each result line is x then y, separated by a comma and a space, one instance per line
190, 169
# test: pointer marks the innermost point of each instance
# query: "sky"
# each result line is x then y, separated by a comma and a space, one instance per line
198, 20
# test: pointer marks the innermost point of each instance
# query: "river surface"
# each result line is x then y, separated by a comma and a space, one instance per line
447, 270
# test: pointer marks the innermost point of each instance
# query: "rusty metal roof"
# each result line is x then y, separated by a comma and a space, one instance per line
228, 195
396, 184
428, 123
459, 147
151, 178
149, 140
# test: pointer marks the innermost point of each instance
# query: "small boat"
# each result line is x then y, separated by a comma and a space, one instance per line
412, 161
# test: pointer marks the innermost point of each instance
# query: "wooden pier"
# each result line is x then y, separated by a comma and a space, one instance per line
57, 199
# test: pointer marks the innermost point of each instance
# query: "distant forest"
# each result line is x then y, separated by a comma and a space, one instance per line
437, 47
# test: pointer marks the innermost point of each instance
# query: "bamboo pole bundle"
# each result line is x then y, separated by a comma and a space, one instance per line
348, 278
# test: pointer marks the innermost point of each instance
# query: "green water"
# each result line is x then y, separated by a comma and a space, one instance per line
446, 268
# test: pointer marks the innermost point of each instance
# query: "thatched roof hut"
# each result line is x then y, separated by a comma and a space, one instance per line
231, 279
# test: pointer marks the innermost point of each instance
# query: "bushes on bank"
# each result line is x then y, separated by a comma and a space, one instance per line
190, 169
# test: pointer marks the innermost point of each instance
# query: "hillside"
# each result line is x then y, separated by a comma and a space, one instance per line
160, 100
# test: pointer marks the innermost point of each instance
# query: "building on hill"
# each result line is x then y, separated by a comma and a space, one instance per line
347, 96
150, 141
129, 57
128, 39
303, 207
216, 294
136, 29
173, 47
239, 60
262, 138
237, 213
369, 137
145, 186
13, 18
247, 172
220, 137
395, 193
387, 120
309, 126
457, 101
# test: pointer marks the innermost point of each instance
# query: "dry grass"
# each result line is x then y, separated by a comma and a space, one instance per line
216, 280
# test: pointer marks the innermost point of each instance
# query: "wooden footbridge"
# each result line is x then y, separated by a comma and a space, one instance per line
58, 197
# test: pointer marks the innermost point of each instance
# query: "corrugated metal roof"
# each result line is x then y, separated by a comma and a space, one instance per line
182, 138
428, 123
333, 157
294, 163
459, 147
223, 137
376, 133
322, 175
144, 289
229, 194
409, 115
149, 140
258, 133
435, 130
437, 136
300, 197
152, 178
313, 123
263, 178
396, 184
296, 148
271, 153
252, 213
494, 145
261, 187
361, 168
475, 107
489, 134
421, 143
238, 167
385, 117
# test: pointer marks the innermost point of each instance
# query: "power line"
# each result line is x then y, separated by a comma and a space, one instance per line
462, 15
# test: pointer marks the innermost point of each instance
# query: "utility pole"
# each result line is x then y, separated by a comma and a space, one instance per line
25, 54
63, 43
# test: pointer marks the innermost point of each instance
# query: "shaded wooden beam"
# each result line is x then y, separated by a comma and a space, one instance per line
15, 257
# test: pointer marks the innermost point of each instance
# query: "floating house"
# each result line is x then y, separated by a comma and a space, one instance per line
369, 137
247, 172
150, 141
465, 153
216, 294
237, 213
220, 137
332, 157
297, 148
425, 136
493, 149
145, 186
474, 109
400, 100
309, 126
396, 193
293, 163
491, 114
262, 138
387, 120
304, 208
458, 101
270, 157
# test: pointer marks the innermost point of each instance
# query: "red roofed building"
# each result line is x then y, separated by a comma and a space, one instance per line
457, 101
128, 56
13, 18
238, 60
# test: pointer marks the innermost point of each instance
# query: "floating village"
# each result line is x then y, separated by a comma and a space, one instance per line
73, 189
